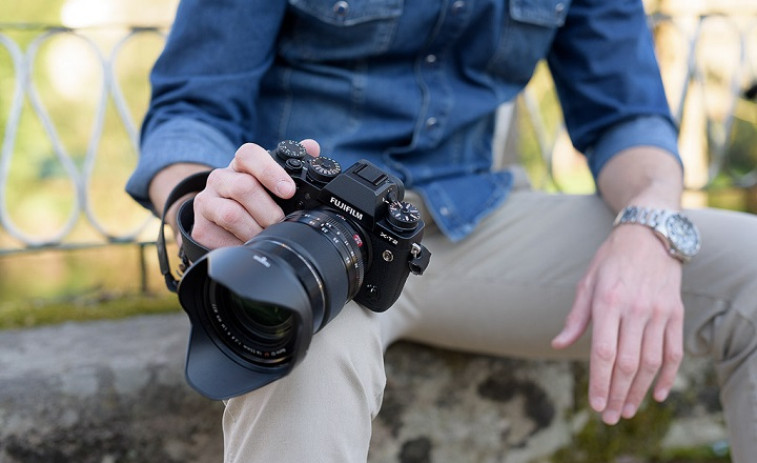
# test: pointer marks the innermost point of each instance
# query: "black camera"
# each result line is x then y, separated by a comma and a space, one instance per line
254, 308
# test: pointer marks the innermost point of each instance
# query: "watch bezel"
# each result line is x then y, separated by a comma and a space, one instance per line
682, 235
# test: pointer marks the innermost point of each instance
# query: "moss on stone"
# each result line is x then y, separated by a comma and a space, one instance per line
638, 440
640, 437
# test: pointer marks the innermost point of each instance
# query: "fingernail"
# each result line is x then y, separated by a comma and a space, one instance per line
561, 337
661, 395
611, 417
284, 188
597, 403
629, 411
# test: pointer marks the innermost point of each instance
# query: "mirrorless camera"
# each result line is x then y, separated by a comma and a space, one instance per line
254, 308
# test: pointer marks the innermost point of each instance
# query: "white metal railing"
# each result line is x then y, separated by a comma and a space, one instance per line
693, 79
743, 77
23, 67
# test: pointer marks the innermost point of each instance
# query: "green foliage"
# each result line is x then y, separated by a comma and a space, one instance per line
30, 313
741, 154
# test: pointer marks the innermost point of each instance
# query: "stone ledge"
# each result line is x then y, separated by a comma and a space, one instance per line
103, 392
114, 391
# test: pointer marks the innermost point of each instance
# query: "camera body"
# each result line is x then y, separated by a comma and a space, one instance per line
254, 308
370, 199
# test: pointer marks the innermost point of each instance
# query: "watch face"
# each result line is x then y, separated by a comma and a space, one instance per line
682, 234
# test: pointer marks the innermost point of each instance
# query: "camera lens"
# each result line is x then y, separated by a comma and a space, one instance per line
256, 331
260, 303
273, 318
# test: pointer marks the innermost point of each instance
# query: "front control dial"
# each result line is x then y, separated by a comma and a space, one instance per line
403, 216
323, 169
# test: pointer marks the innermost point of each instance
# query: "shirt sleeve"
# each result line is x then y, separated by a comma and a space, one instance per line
608, 81
205, 84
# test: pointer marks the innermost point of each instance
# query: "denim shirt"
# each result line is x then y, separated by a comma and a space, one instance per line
411, 86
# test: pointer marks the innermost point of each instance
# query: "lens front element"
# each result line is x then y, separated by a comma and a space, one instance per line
259, 332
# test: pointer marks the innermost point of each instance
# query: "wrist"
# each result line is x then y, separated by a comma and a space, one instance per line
165, 182
677, 233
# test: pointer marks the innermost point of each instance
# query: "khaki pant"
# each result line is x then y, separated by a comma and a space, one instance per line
505, 290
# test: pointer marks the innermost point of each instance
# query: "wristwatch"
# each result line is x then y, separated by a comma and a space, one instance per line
679, 235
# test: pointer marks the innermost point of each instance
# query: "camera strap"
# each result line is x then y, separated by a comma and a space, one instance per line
190, 249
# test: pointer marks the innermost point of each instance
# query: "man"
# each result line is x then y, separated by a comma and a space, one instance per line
414, 88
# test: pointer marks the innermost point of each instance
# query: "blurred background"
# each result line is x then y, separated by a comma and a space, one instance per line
73, 89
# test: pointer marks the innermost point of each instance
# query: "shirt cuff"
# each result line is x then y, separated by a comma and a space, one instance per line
178, 140
655, 131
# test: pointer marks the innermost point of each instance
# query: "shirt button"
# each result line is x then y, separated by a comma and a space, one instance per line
341, 8
458, 6
559, 8
431, 59
432, 122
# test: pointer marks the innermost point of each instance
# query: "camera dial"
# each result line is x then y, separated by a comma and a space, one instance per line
403, 216
290, 150
323, 169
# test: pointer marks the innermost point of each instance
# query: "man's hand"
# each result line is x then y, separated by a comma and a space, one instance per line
236, 203
631, 293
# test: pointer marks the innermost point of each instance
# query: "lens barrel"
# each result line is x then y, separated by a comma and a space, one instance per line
254, 308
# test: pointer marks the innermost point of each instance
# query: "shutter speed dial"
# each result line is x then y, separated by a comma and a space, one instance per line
403, 216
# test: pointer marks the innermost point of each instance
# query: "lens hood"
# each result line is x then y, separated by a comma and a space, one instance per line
216, 365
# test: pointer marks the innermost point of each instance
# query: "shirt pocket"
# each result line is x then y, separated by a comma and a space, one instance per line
529, 29
323, 30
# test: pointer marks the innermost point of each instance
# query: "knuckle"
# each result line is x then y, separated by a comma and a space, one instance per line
674, 356
252, 155
609, 298
246, 151
627, 365
651, 363
642, 311
678, 310
200, 200
272, 170
239, 187
215, 177
659, 312
229, 216
604, 352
